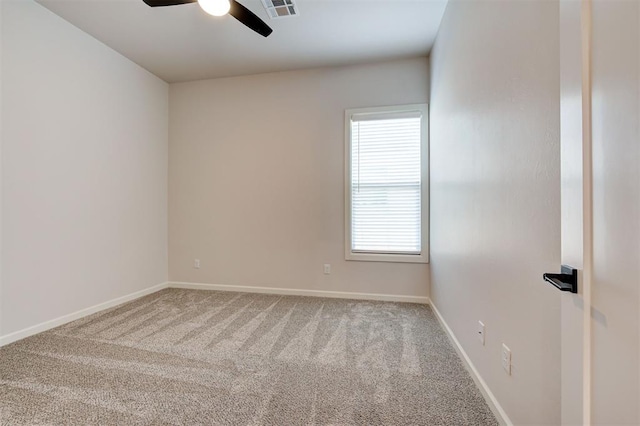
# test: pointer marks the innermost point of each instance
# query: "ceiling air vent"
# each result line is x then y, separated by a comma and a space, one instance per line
280, 8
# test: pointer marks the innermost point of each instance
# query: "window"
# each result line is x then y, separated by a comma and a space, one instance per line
386, 184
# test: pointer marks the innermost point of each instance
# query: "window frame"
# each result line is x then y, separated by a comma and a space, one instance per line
423, 257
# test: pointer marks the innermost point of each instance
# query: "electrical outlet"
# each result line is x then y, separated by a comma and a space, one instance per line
481, 332
196, 263
327, 269
506, 359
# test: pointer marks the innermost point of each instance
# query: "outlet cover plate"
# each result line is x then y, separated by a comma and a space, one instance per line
506, 359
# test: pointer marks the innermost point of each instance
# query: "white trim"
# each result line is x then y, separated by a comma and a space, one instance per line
489, 397
423, 257
48, 325
300, 292
587, 209
383, 257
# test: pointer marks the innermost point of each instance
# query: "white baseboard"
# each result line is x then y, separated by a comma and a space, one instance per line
48, 325
491, 399
300, 292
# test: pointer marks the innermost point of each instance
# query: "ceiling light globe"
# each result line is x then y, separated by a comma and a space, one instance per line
215, 7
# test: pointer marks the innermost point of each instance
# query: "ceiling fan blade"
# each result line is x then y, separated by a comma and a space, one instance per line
249, 18
160, 3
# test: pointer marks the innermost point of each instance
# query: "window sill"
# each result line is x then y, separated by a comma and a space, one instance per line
392, 258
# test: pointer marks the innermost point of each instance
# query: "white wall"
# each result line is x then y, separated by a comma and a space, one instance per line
495, 194
256, 187
84, 170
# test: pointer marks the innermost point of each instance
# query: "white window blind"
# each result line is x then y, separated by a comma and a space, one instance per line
386, 183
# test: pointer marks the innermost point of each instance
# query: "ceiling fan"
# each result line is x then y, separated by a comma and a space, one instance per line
220, 8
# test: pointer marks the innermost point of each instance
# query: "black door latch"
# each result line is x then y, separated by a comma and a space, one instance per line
567, 280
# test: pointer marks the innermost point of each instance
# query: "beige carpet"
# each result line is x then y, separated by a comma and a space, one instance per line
208, 358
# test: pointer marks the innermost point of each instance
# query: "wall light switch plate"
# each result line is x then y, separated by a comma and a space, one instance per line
327, 269
196, 263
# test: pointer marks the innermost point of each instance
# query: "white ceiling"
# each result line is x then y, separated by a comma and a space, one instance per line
181, 43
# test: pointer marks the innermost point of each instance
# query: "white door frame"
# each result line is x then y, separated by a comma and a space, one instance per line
577, 207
